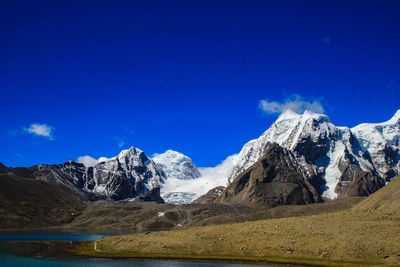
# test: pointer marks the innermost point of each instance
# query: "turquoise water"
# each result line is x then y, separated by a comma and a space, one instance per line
51, 237
20, 261
13, 260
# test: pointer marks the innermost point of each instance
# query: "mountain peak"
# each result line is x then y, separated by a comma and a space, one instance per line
396, 116
171, 152
131, 151
307, 114
311, 114
287, 115
171, 156
176, 165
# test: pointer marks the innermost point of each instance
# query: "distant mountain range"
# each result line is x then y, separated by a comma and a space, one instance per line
318, 158
129, 175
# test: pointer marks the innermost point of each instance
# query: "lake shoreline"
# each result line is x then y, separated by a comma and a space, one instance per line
72, 250
76, 250
87, 249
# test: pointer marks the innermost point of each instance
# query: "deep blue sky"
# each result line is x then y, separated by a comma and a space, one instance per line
185, 75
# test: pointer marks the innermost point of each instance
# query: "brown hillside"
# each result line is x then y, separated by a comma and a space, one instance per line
30, 203
386, 199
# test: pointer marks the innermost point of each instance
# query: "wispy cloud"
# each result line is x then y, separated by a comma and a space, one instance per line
87, 160
41, 130
295, 102
210, 177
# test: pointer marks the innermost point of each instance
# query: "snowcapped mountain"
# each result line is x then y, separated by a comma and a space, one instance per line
127, 175
382, 140
176, 165
336, 161
178, 169
130, 174
338, 156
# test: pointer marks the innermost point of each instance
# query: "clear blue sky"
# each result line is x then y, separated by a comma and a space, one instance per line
185, 75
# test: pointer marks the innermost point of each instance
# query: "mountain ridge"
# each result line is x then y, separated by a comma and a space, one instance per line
338, 155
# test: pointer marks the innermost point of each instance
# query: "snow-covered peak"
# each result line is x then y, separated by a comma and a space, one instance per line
288, 115
392, 121
396, 117
132, 152
291, 118
171, 155
176, 165
125, 174
313, 137
382, 140
102, 159
308, 114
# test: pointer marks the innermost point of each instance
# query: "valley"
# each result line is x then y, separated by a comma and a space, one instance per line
365, 235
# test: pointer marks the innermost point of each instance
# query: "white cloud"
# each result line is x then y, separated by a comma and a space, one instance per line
295, 102
88, 161
41, 130
210, 177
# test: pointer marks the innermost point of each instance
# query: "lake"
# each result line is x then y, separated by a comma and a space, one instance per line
21, 248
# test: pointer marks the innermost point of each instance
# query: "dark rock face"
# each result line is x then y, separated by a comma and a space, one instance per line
70, 173
364, 184
275, 180
210, 196
152, 195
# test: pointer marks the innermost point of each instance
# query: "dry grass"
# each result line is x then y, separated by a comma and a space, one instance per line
366, 235
386, 199
353, 238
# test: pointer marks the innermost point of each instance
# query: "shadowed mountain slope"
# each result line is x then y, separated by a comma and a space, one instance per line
277, 179
31, 203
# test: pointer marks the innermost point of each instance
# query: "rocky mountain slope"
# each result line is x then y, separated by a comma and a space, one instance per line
210, 196
277, 179
130, 174
342, 161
